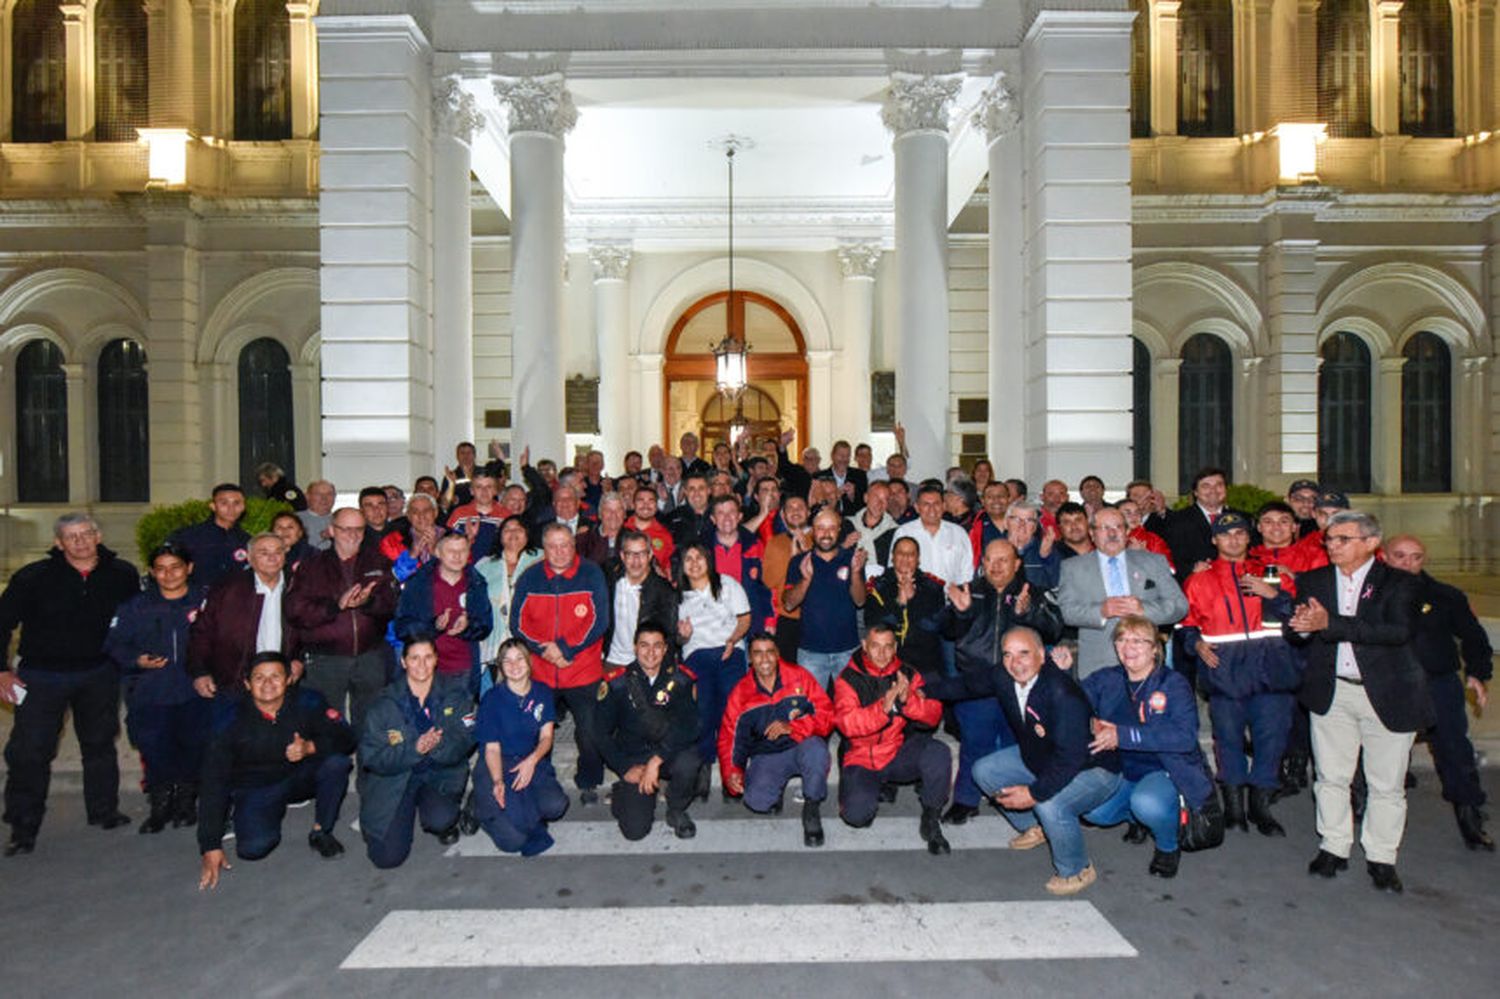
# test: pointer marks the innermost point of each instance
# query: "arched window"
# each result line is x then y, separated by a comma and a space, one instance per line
1140, 71
1344, 66
120, 70
266, 408
39, 73
1426, 416
1344, 414
1140, 402
1205, 408
262, 71
1426, 45
1205, 68
124, 440
41, 424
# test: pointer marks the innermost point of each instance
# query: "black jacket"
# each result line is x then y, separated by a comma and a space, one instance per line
918, 623
1443, 614
64, 617
250, 751
977, 632
216, 552
1382, 631
659, 600
1190, 538
856, 477
636, 720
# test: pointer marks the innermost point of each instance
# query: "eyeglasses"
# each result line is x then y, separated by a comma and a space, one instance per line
1135, 641
1339, 539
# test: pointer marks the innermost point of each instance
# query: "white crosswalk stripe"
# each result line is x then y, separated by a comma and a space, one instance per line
750, 835
698, 935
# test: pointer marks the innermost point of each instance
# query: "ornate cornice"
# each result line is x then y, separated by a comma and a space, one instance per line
999, 109
454, 110
859, 260
611, 261
919, 102
539, 103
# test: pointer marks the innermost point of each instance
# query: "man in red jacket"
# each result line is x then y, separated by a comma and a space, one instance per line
776, 727
877, 701
340, 602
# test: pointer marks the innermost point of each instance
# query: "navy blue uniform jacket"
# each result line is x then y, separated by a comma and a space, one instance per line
1157, 724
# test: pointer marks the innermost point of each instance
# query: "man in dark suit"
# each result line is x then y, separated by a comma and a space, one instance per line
1189, 532
851, 481
1366, 692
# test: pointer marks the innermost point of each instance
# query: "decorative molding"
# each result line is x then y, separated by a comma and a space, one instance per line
611, 261
999, 110
859, 259
919, 102
454, 110
539, 103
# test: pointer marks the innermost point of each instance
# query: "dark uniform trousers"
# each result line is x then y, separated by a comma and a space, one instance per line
920, 759
171, 738
94, 697
635, 811
258, 811
521, 826
579, 702
1452, 753
423, 798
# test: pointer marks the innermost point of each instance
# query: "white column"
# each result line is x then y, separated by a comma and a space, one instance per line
80, 433
1164, 387
611, 266
541, 114
999, 115
820, 399
650, 412
1162, 45
1290, 267
78, 37
1471, 444
455, 119
374, 218
169, 42
1076, 125
180, 421
1385, 428
1385, 67
304, 68
857, 262
916, 111
213, 66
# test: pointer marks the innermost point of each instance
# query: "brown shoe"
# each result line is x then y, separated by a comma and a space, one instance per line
1072, 886
1029, 839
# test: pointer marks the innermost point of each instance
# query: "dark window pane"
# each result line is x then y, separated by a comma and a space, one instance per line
262, 71
1140, 396
1425, 41
1205, 68
124, 436
121, 67
41, 424
1426, 416
39, 73
1140, 71
1344, 414
266, 409
1344, 66
1205, 408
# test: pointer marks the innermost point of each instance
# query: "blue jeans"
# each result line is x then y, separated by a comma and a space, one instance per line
824, 665
982, 729
715, 677
1059, 814
766, 775
1151, 801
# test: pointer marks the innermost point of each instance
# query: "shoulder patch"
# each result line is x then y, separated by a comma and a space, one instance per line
448, 711
291, 494
603, 689
394, 736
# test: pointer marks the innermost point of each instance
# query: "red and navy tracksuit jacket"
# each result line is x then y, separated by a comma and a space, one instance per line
797, 699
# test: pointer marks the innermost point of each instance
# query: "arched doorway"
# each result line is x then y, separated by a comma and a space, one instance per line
777, 368
762, 417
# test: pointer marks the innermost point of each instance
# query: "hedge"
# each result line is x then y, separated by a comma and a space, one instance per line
154, 528
1242, 496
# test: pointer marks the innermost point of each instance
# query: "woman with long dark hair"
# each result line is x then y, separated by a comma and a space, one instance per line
713, 618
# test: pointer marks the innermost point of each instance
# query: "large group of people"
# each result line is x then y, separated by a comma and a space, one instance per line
769, 616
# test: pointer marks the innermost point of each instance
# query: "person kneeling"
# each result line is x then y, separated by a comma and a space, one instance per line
646, 727
516, 791
776, 727
1050, 777
414, 752
887, 720
279, 747
1149, 713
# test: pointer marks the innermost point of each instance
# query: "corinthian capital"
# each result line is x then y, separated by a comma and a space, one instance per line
538, 103
919, 102
858, 260
454, 111
999, 109
611, 261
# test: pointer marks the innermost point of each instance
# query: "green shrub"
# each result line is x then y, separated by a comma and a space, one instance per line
154, 528
1242, 496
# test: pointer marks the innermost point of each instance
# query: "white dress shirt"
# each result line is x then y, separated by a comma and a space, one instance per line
948, 554
1023, 691
1348, 589
627, 612
268, 630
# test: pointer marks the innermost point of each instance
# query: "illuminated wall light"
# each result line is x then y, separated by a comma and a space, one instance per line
1298, 144
166, 155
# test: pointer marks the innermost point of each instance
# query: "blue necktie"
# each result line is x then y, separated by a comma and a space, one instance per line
1117, 587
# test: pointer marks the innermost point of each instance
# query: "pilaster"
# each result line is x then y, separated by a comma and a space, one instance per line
610, 263
999, 114
858, 262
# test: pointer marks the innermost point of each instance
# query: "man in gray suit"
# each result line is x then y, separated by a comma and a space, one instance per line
1099, 588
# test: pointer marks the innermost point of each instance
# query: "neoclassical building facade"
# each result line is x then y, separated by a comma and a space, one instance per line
1121, 237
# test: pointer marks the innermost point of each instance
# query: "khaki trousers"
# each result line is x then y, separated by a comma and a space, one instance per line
1337, 738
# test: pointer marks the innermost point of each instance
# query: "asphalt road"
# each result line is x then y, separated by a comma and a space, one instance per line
96, 913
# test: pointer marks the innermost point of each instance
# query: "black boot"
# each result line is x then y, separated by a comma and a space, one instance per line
162, 798
682, 826
185, 805
1164, 864
1471, 828
1234, 808
705, 782
812, 824
468, 822
1260, 813
1289, 778
931, 829
887, 794
1135, 833
1359, 794
958, 814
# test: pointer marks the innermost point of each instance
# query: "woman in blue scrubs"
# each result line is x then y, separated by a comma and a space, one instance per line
516, 792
